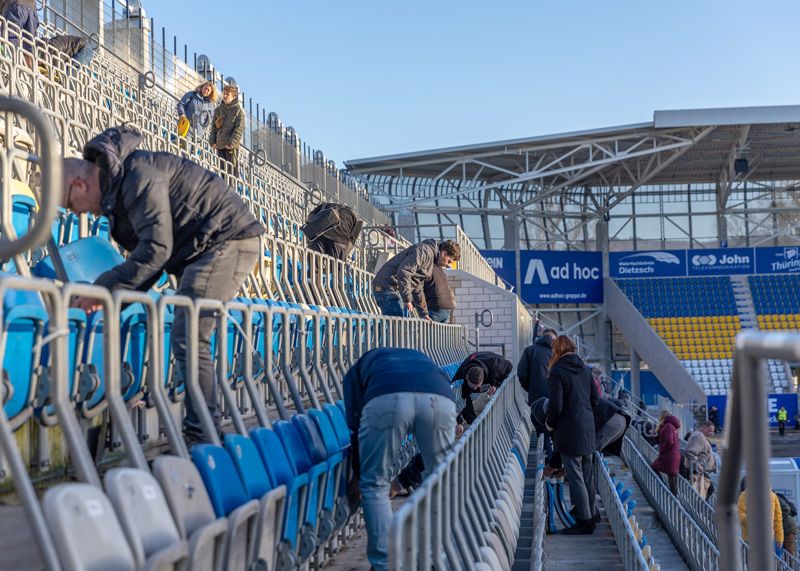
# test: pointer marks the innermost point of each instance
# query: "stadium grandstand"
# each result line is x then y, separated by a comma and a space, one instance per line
662, 248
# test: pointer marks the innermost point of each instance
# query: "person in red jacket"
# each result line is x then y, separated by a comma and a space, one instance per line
669, 450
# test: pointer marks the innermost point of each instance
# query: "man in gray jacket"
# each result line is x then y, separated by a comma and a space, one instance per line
171, 215
399, 284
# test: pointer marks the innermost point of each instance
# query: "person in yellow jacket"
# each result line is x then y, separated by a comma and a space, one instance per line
777, 516
783, 416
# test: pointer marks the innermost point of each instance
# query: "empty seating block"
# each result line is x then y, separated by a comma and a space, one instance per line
696, 318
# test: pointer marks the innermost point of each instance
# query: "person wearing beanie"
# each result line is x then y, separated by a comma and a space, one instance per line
227, 129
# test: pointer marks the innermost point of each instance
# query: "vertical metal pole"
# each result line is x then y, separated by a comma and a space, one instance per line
636, 386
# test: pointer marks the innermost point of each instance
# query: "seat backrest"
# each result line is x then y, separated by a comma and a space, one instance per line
85, 529
310, 433
142, 509
296, 450
220, 477
326, 431
336, 416
185, 492
255, 478
84, 260
24, 319
273, 455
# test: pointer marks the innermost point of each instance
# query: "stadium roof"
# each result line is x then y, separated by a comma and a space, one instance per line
677, 146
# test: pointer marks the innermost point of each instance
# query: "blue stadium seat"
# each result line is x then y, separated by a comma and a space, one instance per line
24, 321
294, 544
84, 260
302, 462
229, 499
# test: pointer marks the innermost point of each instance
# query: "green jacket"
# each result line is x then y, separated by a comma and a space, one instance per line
227, 127
783, 415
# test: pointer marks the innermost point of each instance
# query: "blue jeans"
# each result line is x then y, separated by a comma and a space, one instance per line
390, 303
85, 56
385, 422
440, 315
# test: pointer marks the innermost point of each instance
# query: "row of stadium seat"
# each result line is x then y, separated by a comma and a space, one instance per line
666, 297
776, 294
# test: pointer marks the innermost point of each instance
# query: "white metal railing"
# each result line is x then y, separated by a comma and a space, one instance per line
629, 549
444, 522
695, 546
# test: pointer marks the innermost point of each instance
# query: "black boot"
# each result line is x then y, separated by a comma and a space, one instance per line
583, 527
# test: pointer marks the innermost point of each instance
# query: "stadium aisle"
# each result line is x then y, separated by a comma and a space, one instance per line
596, 552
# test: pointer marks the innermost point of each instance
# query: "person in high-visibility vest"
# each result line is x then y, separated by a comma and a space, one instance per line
783, 415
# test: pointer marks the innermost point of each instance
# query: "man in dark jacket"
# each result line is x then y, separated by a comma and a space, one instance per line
332, 229
171, 215
532, 371
482, 372
439, 297
76, 47
572, 396
398, 285
388, 394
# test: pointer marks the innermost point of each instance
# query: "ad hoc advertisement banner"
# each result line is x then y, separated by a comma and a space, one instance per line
577, 277
552, 277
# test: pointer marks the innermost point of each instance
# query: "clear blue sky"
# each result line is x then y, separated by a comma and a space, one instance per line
361, 78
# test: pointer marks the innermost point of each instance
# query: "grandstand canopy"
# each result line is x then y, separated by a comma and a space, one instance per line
596, 170
768, 136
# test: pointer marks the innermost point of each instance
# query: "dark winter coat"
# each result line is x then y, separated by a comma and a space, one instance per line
572, 395
603, 412
495, 367
70, 45
438, 294
532, 369
227, 128
669, 449
166, 211
407, 271
332, 229
198, 110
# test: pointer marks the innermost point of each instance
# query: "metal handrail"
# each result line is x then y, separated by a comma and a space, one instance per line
629, 549
50, 166
747, 438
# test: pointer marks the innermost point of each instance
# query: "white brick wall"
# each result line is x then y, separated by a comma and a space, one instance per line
512, 323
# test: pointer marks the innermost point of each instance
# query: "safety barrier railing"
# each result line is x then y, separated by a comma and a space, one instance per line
445, 522
539, 510
747, 440
697, 549
629, 549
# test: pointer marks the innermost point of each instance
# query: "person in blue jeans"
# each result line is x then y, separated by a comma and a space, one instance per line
398, 286
388, 394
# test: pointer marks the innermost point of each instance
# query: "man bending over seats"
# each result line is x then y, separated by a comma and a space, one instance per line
388, 394
399, 284
482, 372
171, 215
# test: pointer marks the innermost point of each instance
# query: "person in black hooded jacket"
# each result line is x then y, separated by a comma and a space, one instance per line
532, 371
171, 215
482, 372
572, 396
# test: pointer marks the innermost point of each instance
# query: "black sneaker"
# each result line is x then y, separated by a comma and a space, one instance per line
583, 527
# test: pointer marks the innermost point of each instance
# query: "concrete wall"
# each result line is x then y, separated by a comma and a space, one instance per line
512, 326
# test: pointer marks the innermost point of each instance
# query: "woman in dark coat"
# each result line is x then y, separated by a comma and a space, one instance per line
669, 450
572, 395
